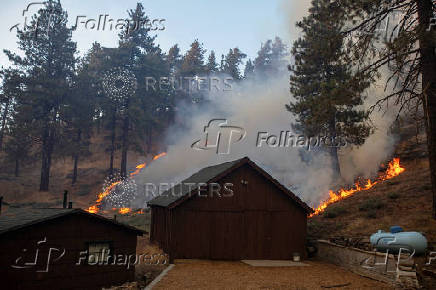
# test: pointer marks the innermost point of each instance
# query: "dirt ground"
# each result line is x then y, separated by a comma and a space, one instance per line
194, 274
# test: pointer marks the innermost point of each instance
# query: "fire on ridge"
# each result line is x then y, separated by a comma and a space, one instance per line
96, 207
394, 169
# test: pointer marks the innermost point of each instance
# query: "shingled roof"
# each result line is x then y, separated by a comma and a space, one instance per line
181, 191
17, 218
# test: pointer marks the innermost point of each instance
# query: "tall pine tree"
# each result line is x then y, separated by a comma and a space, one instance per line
48, 65
232, 62
326, 91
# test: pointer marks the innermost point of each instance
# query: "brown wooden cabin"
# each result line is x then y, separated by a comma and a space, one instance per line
28, 234
261, 220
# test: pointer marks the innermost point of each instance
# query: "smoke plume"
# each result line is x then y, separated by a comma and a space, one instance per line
259, 106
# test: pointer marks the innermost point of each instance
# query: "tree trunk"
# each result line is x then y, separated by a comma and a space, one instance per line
113, 129
333, 150
47, 150
428, 68
335, 162
125, 144
76, 162
98, 125
17, 167
76, 156
4, 117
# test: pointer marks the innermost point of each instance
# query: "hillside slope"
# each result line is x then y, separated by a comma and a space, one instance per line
404, 200
23, 190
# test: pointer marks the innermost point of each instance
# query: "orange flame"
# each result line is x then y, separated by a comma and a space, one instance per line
394, 169
124, 210
96, 207
159, 156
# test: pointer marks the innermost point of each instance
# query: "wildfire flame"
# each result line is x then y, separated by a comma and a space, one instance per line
96, 207
394, 169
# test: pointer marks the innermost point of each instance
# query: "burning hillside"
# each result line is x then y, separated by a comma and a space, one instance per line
394, 169
109, 189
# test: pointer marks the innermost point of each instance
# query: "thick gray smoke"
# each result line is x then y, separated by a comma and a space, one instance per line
255, 106
259, 106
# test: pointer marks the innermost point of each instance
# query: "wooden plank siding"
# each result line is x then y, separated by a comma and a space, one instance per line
258, 222
72, 233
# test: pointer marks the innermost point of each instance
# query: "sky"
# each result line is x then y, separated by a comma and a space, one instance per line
218, 25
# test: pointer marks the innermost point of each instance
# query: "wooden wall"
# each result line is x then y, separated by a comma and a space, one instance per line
257, 222
71, 232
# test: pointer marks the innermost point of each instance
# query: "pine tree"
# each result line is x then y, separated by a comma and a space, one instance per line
279, 53
174, 58
262, 63
326, 90
193, 61
222, 62
211, 66
47, 64
80, 114
249, 69
407, 48
232, 62
19, 144
271, 58
11, 91
4, 113
143, 58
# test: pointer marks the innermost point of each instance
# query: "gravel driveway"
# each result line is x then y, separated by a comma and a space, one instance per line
195, 274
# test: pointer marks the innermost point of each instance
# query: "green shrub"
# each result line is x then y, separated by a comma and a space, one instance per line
334, 212
371, 204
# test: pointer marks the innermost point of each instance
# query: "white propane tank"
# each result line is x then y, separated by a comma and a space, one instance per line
412, 241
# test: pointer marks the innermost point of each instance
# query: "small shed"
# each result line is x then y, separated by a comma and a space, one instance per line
56, 248
261, 219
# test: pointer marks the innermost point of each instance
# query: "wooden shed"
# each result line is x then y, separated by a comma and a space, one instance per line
63, 249
261, 219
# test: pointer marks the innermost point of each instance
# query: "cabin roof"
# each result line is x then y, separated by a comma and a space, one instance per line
181, 191
17, 218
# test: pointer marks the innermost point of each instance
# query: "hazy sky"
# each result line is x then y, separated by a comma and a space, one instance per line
219, 25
